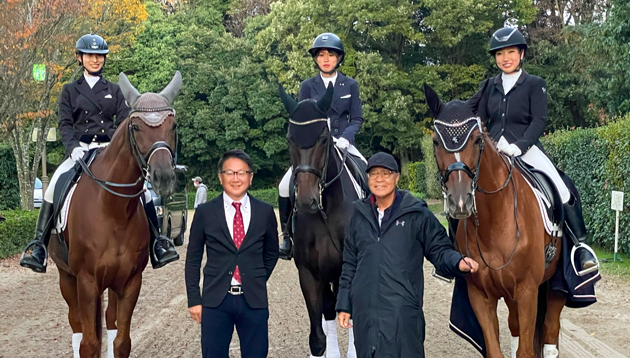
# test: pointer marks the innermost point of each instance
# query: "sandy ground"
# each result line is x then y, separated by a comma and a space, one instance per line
33, 318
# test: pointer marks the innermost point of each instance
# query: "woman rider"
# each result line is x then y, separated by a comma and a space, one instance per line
345, 115
89, 110
513, 105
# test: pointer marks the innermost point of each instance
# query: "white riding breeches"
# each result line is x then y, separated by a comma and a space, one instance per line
283, 187
537, 159
64, 167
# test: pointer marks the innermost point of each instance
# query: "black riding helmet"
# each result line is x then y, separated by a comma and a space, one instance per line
91, 43
506, 37
329, 41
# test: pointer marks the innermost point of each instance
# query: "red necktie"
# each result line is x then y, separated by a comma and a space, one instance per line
238, 234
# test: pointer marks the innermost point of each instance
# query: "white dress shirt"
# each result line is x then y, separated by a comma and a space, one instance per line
230, 212
328, 80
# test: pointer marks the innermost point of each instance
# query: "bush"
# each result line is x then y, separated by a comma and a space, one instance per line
17, 231
598, 161
10, 189
433, 189
267, 195
421, 177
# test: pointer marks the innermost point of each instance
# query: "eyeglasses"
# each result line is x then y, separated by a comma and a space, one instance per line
385, 174
240, 174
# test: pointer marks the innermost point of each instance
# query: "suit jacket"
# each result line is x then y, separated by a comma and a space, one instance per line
93, 112
345, 113
520, 116
256, 257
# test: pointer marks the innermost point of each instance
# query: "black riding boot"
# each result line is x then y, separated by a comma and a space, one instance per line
286, 248
36, 261
575, 223
162, 250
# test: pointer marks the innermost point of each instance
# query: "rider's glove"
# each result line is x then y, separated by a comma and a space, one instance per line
77, 153
511, 150
342, 143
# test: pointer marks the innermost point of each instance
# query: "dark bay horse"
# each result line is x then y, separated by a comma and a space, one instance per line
322, 211
500, 227
107, 231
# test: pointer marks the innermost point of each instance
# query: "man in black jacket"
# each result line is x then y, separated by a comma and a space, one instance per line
381, 284
239, 234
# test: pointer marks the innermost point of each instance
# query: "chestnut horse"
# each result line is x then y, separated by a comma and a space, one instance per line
500, 227
107, 233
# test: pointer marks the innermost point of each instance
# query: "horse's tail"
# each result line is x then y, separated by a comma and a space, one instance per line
539, 338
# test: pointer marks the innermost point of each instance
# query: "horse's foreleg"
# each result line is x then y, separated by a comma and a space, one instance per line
551, 332
527, 304
329, 324
513, 325
68, 285
312, 290
110, 321
89, 298
486, 311
127, 300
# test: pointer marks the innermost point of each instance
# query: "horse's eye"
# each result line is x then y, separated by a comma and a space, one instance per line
478, 141
436, 143
135, 127
174, 126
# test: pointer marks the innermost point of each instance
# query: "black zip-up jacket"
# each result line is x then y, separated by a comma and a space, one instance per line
382, 284
520, 116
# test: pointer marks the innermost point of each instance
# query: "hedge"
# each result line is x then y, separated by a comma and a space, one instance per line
267, 195
17, 231
433, 189
598, 161
9, 187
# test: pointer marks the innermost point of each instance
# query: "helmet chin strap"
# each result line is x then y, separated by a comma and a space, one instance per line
97, 73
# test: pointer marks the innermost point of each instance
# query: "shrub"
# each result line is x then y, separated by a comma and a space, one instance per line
433, 189
17, 231
267, 195
421, 177
10, 189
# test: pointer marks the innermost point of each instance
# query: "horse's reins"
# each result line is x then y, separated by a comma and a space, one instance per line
460, 166
142, 161
321, 174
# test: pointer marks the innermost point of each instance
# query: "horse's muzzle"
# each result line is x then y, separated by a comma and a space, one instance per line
163, 181
460, 206
307, 206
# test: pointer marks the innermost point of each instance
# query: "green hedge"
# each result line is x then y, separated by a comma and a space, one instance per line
598, 161
433, 189
267, 195
9, 187
17, 231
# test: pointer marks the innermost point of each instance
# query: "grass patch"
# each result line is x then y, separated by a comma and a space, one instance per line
615, 268
437, 208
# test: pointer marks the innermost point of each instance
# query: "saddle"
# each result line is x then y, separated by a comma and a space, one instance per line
543, 183
65, 183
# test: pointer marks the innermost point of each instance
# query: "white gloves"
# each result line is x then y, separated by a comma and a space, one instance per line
507, 148
511, 150
77, 153
343, 143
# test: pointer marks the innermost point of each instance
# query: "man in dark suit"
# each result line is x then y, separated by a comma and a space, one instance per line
240, 236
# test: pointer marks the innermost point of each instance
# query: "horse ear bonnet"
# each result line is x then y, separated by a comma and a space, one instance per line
308, 119
455, 124
152, 108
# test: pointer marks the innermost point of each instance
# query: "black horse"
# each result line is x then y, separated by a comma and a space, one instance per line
323, 206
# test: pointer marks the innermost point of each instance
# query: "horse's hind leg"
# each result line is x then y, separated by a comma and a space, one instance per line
551, 332
90, 311
110, 321
312, 290
486, 311
329, 323
68, 285
127, 300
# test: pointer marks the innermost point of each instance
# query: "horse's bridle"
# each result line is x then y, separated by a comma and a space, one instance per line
141, 160
474, 176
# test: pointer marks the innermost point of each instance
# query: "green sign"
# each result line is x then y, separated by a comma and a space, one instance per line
39, 72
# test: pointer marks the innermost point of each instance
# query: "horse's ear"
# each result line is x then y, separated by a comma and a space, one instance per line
130, 93
289, 103
326, 100
170, 91
433, 100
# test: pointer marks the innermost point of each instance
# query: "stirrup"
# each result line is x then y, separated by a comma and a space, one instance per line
33, 244
435, 274
155, 263
588, 270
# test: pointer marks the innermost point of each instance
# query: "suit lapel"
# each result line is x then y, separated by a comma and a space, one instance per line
84, 89
220, 212
100, 86
250, 229
340, 89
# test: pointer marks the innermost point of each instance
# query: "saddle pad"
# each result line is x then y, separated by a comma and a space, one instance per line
544, 206
62, 218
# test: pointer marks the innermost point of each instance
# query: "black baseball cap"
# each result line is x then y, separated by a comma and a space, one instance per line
382, 159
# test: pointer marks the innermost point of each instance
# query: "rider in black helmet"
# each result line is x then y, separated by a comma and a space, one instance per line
345, 117
514, 109
89, 111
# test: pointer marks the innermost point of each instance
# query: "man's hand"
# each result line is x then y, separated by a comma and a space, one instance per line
467, 264
195, 313
344, 320
343, 143
78, 153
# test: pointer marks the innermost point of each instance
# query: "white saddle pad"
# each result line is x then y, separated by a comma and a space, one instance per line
62, 221
543, 205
